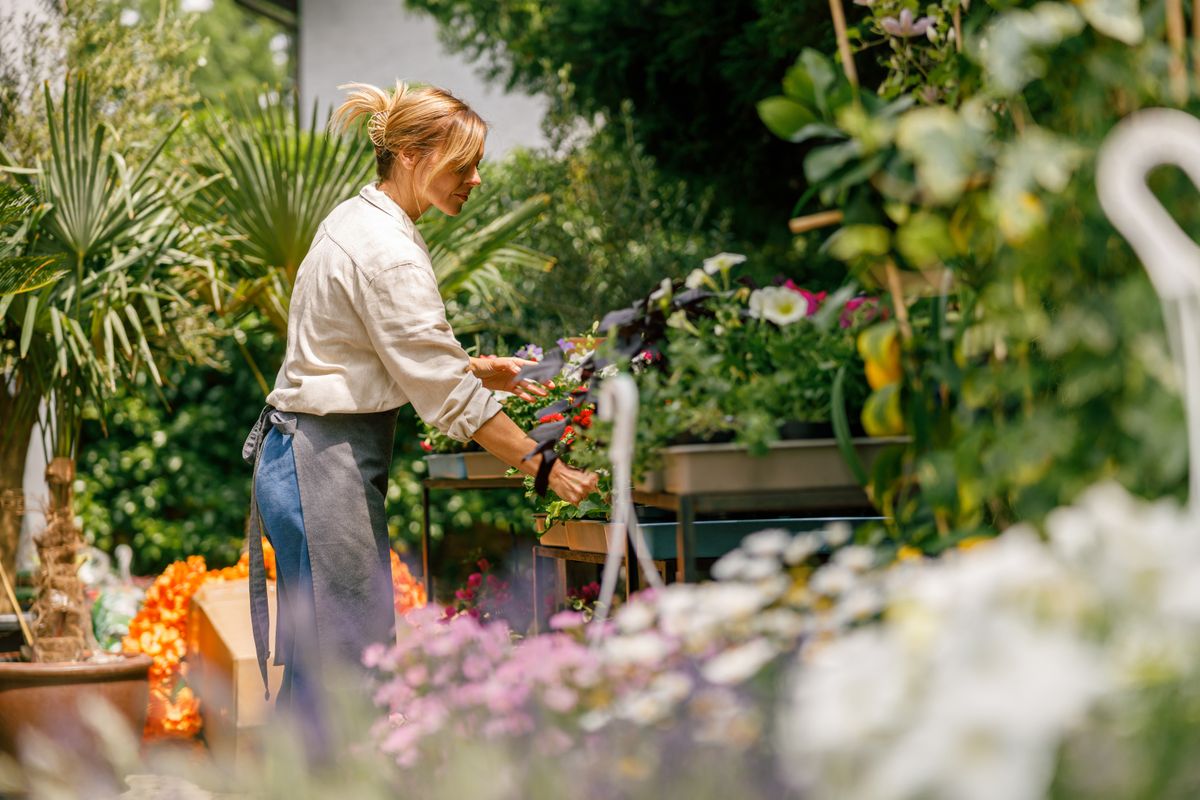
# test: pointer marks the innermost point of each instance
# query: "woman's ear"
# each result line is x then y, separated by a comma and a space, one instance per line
407, 159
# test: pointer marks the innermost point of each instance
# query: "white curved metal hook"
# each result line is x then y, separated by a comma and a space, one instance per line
1136, 146
619, 403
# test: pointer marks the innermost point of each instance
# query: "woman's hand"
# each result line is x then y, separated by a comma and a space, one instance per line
572, 485
499, 373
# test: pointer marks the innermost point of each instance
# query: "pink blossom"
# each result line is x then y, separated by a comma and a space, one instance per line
373, 655
566, 619
474, 580
906, 26
416, 675
861, 310
560, 699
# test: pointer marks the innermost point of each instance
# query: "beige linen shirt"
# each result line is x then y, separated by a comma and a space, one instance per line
367, 328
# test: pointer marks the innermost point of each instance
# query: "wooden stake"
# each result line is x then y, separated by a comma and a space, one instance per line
843, 41
1176, 36
1196, 44
822, 219
893, 279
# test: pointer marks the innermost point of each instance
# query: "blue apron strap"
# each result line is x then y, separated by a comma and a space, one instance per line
260, 615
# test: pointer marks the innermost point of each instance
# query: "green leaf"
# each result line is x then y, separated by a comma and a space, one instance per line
944, 148
824, 161
798, 84
27, 326
28, 273
785, 117
818, 130
855, 241
924, 240
841, 427
821, 73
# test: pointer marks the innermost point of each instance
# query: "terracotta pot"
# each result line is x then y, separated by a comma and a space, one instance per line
47, 696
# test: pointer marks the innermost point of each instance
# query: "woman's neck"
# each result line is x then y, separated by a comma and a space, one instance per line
406, 199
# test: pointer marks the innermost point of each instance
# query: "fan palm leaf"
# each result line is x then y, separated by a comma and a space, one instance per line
277, 180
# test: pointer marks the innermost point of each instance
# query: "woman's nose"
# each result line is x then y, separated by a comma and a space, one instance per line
474, 180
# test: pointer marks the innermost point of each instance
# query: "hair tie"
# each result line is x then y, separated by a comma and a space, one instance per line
377, 127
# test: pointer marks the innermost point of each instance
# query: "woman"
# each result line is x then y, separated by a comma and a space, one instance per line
367, 333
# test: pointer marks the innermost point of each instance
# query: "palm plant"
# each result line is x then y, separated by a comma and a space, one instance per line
473, 252
89, 306
275, 180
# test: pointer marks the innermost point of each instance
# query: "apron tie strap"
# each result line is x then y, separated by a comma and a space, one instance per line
260, 614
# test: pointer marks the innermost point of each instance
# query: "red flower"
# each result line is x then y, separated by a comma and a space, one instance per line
426, 446
483, 565
466, 595
474, 581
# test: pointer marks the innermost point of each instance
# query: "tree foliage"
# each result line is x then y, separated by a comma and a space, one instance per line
693, 69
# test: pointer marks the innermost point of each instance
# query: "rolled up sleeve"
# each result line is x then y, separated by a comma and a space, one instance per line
406, 321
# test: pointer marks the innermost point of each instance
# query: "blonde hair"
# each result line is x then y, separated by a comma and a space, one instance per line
420, 121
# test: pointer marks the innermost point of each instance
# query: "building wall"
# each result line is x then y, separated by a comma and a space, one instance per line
378, 41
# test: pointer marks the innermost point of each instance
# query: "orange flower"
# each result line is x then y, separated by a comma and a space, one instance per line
408, 592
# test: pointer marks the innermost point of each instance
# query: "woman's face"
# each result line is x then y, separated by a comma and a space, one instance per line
449, 189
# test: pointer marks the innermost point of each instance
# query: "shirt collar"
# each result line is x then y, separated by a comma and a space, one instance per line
376, 197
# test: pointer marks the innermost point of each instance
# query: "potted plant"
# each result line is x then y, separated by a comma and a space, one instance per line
91, 305
742, 387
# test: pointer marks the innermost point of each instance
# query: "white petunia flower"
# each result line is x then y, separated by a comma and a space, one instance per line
695, 279
635, 617
767, 543
800, 548
722, 262
663, 290
740, 663
640, 648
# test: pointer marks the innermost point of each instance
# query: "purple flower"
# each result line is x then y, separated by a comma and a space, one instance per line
530, 351
905, 26
565, 345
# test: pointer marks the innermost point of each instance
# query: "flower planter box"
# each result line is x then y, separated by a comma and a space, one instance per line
799, 465
555, 536
651, 482
591, 536
460, 466
446, 465
484, 465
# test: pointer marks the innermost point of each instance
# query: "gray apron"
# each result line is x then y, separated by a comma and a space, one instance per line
342, 463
